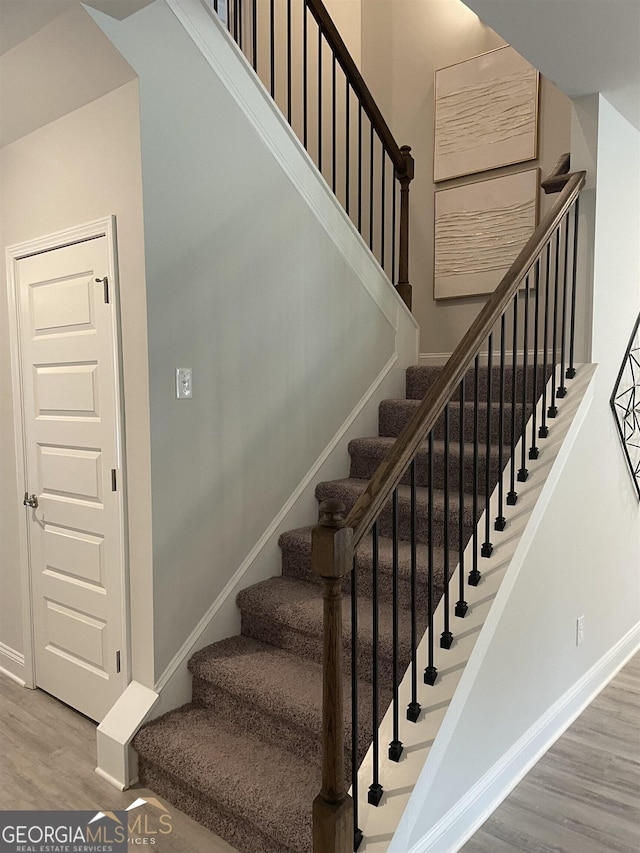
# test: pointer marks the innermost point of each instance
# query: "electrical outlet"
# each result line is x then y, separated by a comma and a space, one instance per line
184, 388
579, 630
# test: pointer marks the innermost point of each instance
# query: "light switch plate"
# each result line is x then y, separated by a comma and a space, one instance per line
184, 387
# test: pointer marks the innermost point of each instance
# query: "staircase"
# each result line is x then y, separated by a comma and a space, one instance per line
244, 757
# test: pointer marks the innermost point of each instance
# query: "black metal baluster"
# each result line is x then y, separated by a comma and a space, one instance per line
533, 450
319, 98
305, 77
430, 673
523, 472
461, 604
474, 574
272, 42
487, 547
289, 61
571, 371
357, 832
393, 225
501, 522
239, 20
347, 166
375, 789
446, 638
360, 167
543, 431
215, 6
382, 209
371, 163
395, 747
562, 390
254, 33
414, 708
333, 123
552, 411
512, 495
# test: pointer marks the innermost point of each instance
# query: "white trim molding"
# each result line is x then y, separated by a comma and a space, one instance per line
455, 828
12, 664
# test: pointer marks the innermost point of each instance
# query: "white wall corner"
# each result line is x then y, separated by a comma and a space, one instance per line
117, 761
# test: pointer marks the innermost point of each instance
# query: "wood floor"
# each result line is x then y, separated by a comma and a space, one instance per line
583, 796
47, 761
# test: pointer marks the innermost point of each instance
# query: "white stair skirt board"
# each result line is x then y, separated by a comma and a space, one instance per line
398, 779
117, 760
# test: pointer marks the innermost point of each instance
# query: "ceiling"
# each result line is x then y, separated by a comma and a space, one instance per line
20, 19
583, 46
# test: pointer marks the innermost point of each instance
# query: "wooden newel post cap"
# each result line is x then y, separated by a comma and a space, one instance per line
332, 513
409, 164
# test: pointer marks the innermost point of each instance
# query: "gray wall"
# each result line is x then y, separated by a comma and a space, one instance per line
246, 287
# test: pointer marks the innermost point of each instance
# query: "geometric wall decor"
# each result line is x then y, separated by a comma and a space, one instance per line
486, 114
480, 229
625, 403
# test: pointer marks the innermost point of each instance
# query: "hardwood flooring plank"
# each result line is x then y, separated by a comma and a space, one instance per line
583, 796
47, 761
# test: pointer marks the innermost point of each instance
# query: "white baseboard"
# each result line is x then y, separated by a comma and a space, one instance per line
12, 664
455, 828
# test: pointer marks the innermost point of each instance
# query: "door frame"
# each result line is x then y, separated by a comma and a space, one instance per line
105, 227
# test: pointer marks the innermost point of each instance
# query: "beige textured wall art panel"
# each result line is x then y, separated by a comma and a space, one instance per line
486, 114
480, 229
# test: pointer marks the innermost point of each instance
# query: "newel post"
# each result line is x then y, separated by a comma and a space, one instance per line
405, 177
332, 559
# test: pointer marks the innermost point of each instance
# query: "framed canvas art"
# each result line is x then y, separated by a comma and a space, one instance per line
480, 229
486, 114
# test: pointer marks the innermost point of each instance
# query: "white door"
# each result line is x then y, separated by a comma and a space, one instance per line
69, 375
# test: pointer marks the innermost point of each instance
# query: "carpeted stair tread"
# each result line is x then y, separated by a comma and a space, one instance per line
367, 454
296, 563
278, 695
420, 380
349, 490
256, 782
288, 613
394, 415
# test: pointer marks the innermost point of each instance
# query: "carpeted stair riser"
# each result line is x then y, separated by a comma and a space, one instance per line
393, 415
285, 614
421, 379
296, 563
258, 686
367, 454
233, 828
240, 782
349, 491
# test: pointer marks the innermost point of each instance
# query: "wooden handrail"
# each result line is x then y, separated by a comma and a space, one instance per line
356, 81
389, 473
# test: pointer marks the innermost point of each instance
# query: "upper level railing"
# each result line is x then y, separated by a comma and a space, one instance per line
529, 322
301, 58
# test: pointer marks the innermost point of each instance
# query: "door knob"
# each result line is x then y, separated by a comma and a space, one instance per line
30, 500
